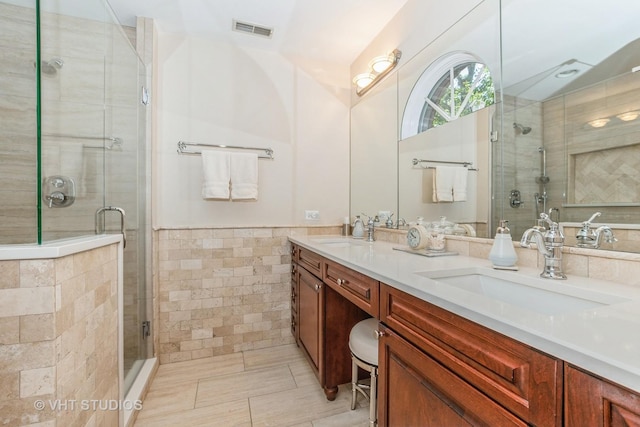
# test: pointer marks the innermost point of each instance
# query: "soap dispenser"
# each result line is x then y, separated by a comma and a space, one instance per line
503, 254
358, 228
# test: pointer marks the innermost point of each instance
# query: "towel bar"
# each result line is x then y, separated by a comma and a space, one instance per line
183, 149
467, 165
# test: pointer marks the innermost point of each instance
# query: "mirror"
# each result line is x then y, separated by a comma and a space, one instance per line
545, 145
463, 140
571, 116
374, 130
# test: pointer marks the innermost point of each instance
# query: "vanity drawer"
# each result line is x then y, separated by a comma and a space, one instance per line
523, 380
310, 260
361, 290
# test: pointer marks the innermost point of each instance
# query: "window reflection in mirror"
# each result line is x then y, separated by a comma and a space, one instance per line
455, 85
443, 95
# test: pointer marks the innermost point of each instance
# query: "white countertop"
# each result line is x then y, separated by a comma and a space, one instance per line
604, 340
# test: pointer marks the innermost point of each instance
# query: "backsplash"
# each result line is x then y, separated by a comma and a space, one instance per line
621, 267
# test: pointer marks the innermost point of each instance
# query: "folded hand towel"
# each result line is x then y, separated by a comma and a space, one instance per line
460, 185
244, 176
216, 174
443, 183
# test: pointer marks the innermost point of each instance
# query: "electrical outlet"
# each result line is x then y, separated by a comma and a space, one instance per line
312, 215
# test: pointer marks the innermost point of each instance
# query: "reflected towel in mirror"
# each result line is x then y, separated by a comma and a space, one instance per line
443, 177
460, 184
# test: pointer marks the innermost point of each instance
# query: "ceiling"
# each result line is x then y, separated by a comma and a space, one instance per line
322, 31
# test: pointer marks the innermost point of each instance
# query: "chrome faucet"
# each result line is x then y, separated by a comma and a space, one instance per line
549, 244
371, 227
589, 238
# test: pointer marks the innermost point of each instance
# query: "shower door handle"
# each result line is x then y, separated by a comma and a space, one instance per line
100, 229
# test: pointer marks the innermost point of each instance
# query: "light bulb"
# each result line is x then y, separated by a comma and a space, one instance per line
381, 63
363, 80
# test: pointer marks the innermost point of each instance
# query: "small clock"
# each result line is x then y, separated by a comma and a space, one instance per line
417, 237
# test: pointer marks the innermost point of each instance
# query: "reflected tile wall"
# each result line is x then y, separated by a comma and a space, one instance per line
17, 125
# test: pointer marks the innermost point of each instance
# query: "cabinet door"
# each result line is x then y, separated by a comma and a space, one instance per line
310, 300
415, 390
590, 401
523, 380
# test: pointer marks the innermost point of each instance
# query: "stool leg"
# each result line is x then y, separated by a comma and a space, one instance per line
354, 380
373, 398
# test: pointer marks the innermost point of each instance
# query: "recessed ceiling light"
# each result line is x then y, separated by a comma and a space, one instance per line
598, 123
629, 115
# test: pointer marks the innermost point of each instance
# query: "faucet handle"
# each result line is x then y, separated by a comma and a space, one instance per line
590, 220
546, 218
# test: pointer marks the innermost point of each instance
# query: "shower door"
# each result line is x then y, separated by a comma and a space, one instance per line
93, 127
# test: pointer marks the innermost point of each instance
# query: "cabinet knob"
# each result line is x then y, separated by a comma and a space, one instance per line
379, 333
341, 282
318, 287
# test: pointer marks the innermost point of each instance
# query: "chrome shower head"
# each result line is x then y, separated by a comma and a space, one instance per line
522, 129
52, 66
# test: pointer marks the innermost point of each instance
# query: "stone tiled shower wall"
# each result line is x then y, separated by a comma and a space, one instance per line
224, 290
59, 338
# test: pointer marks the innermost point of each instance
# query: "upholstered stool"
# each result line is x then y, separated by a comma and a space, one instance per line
363, 343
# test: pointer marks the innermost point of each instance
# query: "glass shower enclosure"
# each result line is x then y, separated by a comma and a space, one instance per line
73, 145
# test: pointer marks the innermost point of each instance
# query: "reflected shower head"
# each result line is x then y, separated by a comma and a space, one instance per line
52, 66
522, 129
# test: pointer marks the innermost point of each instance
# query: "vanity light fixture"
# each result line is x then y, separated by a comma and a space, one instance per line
379, 67
629, 115
598, 123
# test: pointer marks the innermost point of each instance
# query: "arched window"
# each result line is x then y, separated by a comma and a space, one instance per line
453, 86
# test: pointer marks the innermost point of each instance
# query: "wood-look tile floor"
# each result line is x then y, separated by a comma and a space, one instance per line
267, 387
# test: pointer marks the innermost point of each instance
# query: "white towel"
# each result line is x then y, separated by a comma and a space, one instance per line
443, 183
460, 185
215, 174
244, 176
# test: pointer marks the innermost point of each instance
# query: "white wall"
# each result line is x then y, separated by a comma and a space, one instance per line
210, 92
416, 25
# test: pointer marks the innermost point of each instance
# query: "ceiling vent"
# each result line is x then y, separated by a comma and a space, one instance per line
245, 27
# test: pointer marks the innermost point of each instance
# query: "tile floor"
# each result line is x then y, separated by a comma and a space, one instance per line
267, 387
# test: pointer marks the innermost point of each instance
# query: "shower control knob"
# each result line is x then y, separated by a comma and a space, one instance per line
56, 198
57, 182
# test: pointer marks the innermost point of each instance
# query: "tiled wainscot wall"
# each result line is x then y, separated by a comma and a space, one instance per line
224, 290
59, 338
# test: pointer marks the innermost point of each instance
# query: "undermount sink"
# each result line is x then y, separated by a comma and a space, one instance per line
529, 293
338, 242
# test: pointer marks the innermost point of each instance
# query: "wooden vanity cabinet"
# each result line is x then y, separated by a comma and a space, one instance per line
461, 373
322, 321
594, 402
